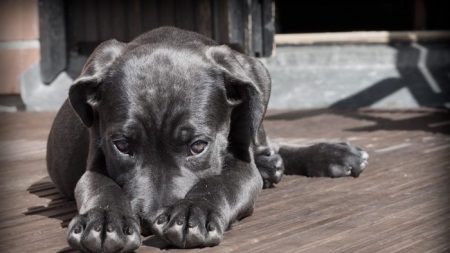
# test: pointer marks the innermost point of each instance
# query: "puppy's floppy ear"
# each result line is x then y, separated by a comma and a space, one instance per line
83, 94
247, 86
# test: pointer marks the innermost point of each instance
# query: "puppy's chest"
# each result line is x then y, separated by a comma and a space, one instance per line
182, 183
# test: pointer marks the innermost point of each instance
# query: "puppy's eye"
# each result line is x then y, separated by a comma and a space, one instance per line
198, 147
123, 146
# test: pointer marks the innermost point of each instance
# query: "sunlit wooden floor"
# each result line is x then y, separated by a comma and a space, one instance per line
399, 204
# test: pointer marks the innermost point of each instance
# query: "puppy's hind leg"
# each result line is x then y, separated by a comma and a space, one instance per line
269, 162
318, 160
324, 160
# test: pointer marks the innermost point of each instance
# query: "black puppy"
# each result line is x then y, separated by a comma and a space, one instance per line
163, 135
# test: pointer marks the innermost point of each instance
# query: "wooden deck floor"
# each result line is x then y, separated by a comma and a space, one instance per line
399, 204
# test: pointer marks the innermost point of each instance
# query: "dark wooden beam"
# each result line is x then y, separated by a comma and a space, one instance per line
268, 27
52, 33
150, 15
246, 26
203, 17
167, 12
256, 38
420, 15
237, 23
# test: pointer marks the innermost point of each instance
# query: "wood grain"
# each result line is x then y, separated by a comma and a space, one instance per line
400, 204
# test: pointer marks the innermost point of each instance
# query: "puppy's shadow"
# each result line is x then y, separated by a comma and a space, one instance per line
59, 206
155, 242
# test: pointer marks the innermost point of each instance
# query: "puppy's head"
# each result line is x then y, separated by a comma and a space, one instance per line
163, 116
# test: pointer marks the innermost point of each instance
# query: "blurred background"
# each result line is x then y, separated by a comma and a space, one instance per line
340, 54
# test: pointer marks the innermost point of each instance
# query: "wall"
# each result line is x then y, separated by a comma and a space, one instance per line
349, 76
19, 45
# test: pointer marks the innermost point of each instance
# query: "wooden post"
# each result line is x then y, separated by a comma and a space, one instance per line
268, 27
256, 28
247, 26
52, 36
203, 17
420, 15
237, 23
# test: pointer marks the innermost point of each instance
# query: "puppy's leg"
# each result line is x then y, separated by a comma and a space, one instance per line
319, 160
324, 160
269, 162
105, 222
210, 207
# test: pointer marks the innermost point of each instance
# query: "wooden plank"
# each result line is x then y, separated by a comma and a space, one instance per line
257, 24
220, 20
203, 17
362, 37
119, 21
268, 27
236, 24
420, 15
75, 24
184, 14
229, 23
90, 16
400, 204
134, 13
106, 30
149, 15
167, 12
246, 26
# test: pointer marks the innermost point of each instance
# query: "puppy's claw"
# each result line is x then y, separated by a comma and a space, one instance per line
191, 224
119, 234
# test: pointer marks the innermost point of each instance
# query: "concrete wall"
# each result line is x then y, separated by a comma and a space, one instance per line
365, 75
348, 76
19, 42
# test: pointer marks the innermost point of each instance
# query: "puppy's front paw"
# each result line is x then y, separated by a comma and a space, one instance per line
189, 224
101, 230
337, 160
270, 165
